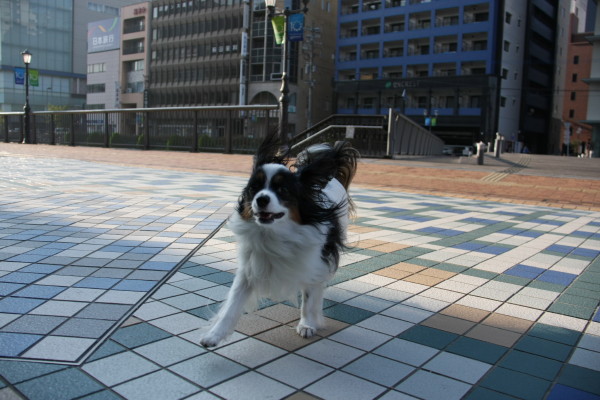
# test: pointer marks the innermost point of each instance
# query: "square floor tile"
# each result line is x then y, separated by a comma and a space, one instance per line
111, 312
170, 351
119, 368
531, 364
406, 352
330, 353
387, 325
458, 367
361, 338
207, 369
250, 352
13, 344
295, 371
252, 386
160, 385
60, 348
179, 323
34, 324
343, 386
88, 328
427, 385
138, 335
62, 385
516, 384
378, 369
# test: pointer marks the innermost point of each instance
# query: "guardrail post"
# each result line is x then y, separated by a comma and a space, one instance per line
146, 130
106, 135
72, 129
195, 136
5, 119
228, 134
52, 130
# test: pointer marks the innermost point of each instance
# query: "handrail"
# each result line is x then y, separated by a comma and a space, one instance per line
322, 131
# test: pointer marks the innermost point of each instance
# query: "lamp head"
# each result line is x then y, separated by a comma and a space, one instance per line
270, 4
26, 56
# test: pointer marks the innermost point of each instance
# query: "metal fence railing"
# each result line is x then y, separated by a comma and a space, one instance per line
236, 129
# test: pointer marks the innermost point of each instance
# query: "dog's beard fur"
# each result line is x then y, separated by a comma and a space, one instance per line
290, 226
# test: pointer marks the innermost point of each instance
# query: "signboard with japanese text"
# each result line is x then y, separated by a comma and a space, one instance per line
104, 35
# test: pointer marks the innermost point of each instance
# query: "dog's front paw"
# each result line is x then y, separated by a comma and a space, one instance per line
306, 331
210, 340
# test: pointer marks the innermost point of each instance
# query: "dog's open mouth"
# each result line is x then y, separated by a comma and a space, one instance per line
267, 218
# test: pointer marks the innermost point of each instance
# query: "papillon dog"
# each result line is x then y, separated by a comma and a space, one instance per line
290, 225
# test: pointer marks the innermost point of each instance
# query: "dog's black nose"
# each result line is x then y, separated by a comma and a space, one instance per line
262, 201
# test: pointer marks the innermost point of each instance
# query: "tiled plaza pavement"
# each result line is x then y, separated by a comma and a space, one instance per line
108, 274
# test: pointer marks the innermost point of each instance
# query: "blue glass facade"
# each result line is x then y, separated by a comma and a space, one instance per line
424, 58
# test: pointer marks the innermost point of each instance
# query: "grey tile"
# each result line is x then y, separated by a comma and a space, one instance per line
330, 353
170, 351
157, 385
119, 368
104, 311
87, 328
251, 352
252, 386
207, 369
342, 386
378, 369
295, 371
60, 348
111, 273
62, 385
34, 324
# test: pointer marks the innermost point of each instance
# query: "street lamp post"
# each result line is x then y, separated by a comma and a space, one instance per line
284, 99
26, 109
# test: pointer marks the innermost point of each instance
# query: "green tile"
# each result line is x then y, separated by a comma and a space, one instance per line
516, 384
422, 262
585, 285
477, 350
572, 310
590, 294
531, 364
553, 287
428, 336
348, 314
480, 274
580, 378
65, 384
481, 393
515, 280
107, 349
414, 251
366, 252
345, 274
139, 334
206, 312
555, 334
578, 301
19, 371
450, 267
544, 348
591, 277
103, 395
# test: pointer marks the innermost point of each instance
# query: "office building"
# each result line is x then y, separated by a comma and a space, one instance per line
593, 110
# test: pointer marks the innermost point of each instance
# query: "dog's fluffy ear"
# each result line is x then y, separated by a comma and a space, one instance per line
271, 151
317, 169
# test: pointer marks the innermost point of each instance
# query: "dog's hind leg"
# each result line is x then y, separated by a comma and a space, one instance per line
230, 312
311, 310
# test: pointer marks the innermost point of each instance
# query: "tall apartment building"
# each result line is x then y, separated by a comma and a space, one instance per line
223, 52
195, 52
423, 58
481, 66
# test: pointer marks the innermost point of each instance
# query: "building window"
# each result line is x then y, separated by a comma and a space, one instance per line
571, 113
504, 73
574, 78
573, 95
96, 68
576, 60
502, 101
506, 45
508, 17
96, 88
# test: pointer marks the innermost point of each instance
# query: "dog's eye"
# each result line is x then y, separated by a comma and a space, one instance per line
282, 190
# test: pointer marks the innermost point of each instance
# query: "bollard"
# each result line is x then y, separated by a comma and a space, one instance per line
480, 152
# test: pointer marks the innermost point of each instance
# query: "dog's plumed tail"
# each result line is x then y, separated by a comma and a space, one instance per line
338, 161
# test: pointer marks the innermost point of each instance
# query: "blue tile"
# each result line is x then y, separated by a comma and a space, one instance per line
561, 392
97, 283
21, 277
472, 246
585, 252
8, 288
557, 248
429, 229
27, 257
557, 277
40, 291
525, 271
138, 335
135, 285
494, 250
531, 234
158, 265
13, 344
42, 268
14, 305
19, 371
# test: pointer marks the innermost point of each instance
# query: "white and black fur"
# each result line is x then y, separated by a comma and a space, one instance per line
290, 226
